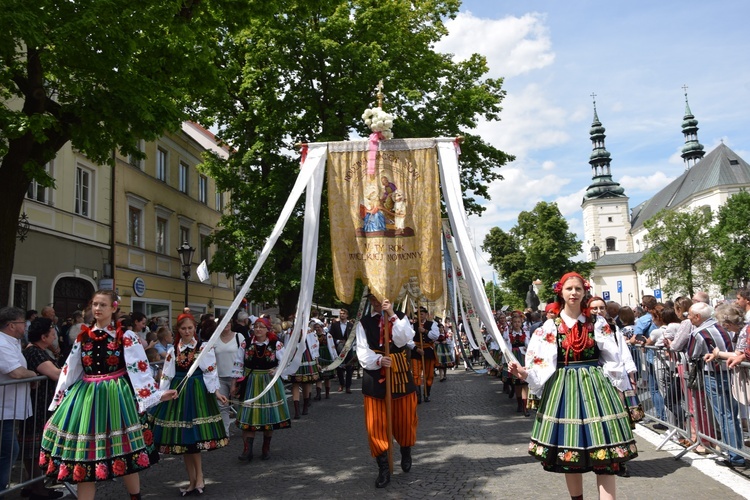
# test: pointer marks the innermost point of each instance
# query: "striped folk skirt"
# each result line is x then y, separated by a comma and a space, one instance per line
267, 413
95, 434
192, 422
581, 424
444, 355
308, 370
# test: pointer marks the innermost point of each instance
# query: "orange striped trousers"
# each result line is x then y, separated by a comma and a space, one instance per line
403, 415
416, 369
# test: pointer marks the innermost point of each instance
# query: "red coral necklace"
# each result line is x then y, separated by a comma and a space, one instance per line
576, 339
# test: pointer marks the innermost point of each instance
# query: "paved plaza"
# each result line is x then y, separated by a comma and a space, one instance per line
471, 444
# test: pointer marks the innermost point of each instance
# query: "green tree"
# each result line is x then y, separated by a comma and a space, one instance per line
539, 246
731, 238
307, 73
102, 75
680, 253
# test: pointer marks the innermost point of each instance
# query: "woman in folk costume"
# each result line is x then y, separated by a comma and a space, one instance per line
444, 352
270, 412
581, 424
518, 340
95, 433
192, 422
307, 373
328, 354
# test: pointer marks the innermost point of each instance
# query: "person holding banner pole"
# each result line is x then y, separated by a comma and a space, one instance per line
377, 362
423, 369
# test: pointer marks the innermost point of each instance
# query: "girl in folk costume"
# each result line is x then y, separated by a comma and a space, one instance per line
307, 373
270, 412
328, 354
581, 424
192, 422
95, 433
443, 351
518, 340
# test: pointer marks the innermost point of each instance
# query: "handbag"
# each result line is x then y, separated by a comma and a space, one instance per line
635, 407
694, 375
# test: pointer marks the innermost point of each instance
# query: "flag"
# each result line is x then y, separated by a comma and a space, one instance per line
202, 272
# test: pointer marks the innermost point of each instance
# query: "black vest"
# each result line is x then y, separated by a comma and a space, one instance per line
373, 381
427, 342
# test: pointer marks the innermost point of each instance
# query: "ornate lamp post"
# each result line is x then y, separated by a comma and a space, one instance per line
186, 256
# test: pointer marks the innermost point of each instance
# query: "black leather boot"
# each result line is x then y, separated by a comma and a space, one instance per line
384, 474
247, 450
406, 458
317, 394
296, 410
266, 452
419, 395
305, 406
427, 393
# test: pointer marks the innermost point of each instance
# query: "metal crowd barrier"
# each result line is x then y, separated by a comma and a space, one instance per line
22, 471
709, 408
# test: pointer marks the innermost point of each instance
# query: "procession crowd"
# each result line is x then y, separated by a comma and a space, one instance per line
123, 389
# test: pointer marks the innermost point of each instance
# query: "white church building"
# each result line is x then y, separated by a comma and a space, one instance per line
614, 234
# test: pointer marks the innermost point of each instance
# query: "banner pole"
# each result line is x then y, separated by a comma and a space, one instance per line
388, 397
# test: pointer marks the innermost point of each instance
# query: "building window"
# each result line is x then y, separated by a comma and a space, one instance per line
219, 201
611, 244
161, 165
162, 230
183, 177
135, 218
204, 248
37, 192
22, 294
203, 189
135, 161
184, 235
83, 191
609, 219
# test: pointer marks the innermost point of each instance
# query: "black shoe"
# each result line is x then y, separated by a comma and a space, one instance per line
406, 458
726, 463
623, 471
660, 427
384, 474
50, 494
419, 395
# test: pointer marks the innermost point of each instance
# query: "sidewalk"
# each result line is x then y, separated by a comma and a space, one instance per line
471, 444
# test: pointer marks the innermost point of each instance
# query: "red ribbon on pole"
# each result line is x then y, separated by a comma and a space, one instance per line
303, 151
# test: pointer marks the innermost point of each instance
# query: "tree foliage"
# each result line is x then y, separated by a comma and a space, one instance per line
307, 73
680, 252
101, 74
539, 246
731, 239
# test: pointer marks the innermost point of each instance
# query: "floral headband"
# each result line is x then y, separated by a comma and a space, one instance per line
557, 287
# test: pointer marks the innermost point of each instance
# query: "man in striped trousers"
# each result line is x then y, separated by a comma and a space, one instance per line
371, 333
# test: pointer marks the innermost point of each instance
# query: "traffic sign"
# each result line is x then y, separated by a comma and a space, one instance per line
657, 293
605, 295
619, 286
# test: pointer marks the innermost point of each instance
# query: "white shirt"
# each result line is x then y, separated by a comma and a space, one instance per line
16, 400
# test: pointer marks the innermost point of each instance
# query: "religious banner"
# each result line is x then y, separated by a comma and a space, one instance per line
385, 225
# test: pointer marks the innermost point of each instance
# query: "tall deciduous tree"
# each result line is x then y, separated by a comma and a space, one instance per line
539, 246
307, 73
102, 75
680, 255
731, 237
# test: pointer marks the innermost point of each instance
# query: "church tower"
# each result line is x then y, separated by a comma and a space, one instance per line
692, 151
606, 218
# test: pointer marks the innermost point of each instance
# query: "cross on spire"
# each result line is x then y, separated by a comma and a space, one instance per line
380, 93
593, 96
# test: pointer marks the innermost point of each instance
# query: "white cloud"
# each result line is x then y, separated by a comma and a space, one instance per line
644, 184
548, 165
512, 45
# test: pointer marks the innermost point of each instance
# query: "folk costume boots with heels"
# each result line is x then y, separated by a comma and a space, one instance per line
296, 410
266, 452
247, 450
384, 473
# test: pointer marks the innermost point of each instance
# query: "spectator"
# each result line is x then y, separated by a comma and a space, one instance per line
164, 338
16, 400
701, 296
31, 315
49, 313
627, 319
743, 302
708, 335
75, 328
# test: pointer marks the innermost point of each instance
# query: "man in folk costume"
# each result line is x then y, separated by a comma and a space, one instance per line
370, 333
340, 330
423, 347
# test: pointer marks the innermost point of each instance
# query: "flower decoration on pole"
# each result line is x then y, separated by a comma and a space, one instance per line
380, 123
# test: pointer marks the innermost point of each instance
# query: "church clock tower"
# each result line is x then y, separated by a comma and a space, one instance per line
606, 214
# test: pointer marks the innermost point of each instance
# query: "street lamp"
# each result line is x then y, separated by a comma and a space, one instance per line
186, 256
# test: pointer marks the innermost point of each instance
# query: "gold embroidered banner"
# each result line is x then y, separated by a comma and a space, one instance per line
385, 228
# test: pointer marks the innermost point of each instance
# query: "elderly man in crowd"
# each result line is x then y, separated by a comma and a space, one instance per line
16, 404
707, 335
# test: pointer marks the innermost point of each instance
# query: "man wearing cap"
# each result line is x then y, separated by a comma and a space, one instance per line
371, 332
423, 347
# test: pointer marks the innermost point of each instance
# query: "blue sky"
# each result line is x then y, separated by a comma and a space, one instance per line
635, 56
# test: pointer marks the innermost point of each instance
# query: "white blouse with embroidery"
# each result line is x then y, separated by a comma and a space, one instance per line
207, 364
136, 364
541, 354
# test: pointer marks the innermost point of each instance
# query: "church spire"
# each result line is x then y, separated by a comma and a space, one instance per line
692, 151
602, 185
